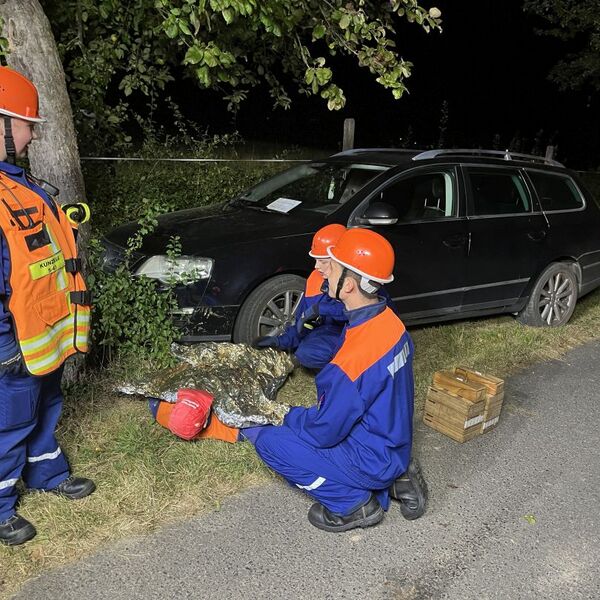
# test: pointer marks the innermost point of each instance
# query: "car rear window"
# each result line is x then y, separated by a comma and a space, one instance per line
556, 192
497, 192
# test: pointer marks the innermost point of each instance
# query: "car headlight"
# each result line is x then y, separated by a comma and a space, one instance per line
183, 269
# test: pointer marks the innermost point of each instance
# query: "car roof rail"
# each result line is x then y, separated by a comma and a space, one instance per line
386, 150
506, 155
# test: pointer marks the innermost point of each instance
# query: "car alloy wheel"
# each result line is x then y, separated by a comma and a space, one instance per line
279, 312
269, 308
553, 297
556, 299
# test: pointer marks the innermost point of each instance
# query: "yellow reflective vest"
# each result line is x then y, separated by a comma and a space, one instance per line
49, 303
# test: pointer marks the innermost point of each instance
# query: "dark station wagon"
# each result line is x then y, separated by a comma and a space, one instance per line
476, 232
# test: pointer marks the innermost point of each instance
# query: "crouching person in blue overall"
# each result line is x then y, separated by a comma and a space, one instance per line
351, 451
44, 317
315, 335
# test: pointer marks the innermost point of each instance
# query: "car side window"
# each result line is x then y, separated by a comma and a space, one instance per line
556, 192
497, 192
423, 197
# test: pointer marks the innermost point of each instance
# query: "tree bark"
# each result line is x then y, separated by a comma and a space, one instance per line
54, 156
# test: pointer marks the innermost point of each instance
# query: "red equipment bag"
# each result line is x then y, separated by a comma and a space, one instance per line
190, 413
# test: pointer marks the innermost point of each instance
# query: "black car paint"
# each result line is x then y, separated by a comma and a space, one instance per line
443, 266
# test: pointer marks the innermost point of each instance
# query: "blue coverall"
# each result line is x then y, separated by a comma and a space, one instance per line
356, 440
29, 406
315, 348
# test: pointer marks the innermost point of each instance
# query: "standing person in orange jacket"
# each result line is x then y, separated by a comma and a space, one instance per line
44, 317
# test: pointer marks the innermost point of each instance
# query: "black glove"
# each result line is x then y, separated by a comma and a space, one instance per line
308, 320
12, 365
266, 341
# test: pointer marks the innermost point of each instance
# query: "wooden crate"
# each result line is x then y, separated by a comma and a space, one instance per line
491, 414
494, 395
452, 415
493, 385
458, 385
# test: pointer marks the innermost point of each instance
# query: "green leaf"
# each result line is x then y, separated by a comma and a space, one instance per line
530, 519
184, 27
210, 59
345, 21
319, 31
193, 56
171, 30
227, 15
203, 76
323, 75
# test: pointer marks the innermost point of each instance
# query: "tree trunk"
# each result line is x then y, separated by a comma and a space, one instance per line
54, 156
33, 52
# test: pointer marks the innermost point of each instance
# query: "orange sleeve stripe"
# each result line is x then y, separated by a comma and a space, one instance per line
313, 284
219, 431
365, 344
164, 412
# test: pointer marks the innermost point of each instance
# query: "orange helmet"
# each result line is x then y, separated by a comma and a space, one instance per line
366, 253
18, 96
325, 237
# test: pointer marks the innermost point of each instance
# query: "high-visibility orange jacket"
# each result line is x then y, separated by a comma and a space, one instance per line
48, 302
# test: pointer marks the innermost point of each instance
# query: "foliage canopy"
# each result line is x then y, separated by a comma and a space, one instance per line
578, 22
118, 52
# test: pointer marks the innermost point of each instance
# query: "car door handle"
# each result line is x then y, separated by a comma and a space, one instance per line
455, 241
537, 236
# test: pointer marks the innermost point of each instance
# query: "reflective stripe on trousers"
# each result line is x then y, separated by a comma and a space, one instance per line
307, 467
47, 456
7, 483
29, 411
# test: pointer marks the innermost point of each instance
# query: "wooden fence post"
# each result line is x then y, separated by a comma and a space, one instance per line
348, 141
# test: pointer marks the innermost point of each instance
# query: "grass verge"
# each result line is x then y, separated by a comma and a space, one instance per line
147, 478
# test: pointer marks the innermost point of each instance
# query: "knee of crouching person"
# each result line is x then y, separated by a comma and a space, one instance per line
263, 442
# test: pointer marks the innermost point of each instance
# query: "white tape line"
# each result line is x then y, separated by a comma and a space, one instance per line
194, 160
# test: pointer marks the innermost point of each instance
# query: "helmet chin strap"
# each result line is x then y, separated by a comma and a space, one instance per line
340, 283
9, 142
368, 286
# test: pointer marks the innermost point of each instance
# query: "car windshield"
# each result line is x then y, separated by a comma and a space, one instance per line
319, 187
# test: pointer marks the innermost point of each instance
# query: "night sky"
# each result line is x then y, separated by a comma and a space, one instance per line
488, 65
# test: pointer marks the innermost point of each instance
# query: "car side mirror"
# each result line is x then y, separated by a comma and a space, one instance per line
379, 213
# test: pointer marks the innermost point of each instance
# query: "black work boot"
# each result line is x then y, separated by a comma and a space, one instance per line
74, 488
16, 530
411, 490
365, 516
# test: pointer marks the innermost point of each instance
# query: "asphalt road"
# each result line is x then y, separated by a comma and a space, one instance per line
475, 542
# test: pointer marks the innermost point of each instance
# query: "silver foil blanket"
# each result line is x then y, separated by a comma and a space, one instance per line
244, 381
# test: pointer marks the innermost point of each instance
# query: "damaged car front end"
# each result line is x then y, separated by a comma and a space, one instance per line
241, 265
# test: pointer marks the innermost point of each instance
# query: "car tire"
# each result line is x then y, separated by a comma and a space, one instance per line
553, 297
269, 308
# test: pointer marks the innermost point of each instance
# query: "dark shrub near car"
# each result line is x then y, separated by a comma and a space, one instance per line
475, 233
